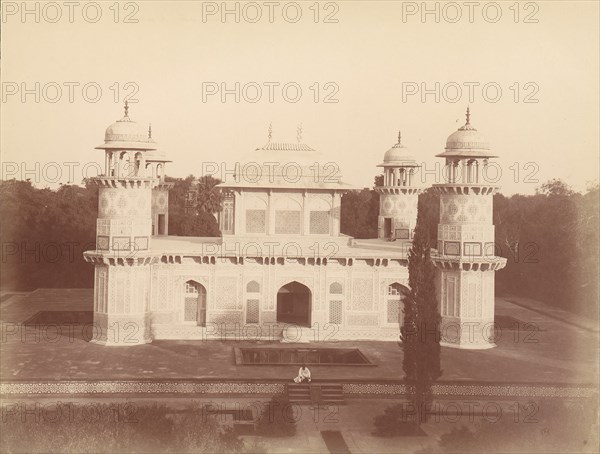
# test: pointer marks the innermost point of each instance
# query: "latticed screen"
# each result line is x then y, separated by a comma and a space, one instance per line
102, 242
252, 311
226, 217
335, 312
190, 313
255, 221
319, 222
450, 295
393, 311
100, 299
287, 221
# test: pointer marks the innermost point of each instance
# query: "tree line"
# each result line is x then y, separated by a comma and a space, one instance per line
550, 239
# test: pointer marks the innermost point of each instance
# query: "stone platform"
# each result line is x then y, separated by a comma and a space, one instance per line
537, 347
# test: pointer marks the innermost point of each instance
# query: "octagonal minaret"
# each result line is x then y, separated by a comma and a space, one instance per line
399, 196
133, 170
466, 254
155, 164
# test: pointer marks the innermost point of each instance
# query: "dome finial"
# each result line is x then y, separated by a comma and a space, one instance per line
468, 116
270, 131
399, 137
150, 131
126, 109
299, 133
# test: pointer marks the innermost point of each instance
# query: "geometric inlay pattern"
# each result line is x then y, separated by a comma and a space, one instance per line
451, 248
226, 297
363, 319
256, 221
319, 222
288, 222
362, 295
349, 389
102, 243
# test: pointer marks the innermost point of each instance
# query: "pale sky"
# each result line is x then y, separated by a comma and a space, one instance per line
369, 55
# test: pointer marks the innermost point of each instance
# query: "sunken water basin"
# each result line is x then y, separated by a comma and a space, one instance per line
288, 355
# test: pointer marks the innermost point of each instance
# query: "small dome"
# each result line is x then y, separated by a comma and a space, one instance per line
126, 130
467, 137
398, 156
467, 142
126, 134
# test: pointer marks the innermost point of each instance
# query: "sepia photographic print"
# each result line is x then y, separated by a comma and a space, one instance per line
299, 226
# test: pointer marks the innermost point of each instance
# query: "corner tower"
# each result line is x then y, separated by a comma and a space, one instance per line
133, 170
465, 257
399, 196
155, 162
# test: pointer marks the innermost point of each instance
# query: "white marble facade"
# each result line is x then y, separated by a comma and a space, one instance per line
281, 270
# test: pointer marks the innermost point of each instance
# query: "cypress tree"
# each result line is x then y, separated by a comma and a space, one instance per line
420, 331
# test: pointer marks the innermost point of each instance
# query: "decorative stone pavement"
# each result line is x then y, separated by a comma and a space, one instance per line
145, 388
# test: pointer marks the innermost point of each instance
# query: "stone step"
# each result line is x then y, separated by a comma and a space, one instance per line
322, 394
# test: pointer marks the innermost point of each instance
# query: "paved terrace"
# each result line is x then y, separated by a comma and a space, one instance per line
180, 372
556, 347
316, 249
280, 246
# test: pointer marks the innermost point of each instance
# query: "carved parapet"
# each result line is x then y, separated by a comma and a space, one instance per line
398, 190
484, 263
127, 182
239, 259
466, 189
121, 258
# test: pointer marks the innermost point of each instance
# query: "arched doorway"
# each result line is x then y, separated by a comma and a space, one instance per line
194, 306
396, 294
294, 304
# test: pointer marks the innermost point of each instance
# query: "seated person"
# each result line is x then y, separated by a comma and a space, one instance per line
303, 375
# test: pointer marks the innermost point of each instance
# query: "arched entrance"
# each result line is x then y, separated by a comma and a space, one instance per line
396, 294
194, 306
294, 304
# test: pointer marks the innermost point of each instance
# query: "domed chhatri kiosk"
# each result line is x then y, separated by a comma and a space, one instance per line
282, 269
398, 195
